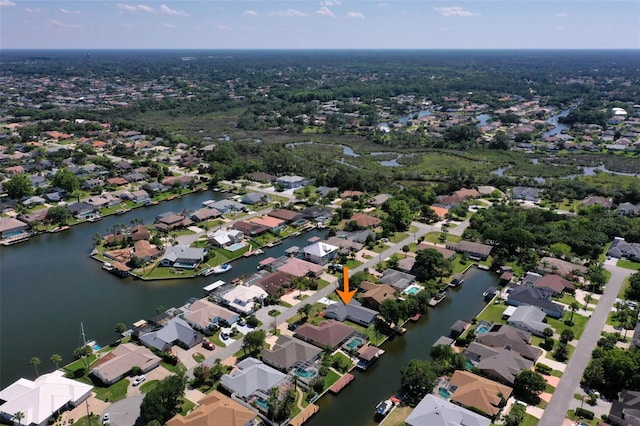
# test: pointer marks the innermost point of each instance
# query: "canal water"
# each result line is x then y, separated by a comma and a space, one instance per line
49, 286
356, 403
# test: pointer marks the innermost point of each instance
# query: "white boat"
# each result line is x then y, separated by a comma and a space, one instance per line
207, 272
107, 266
221, 269
383, 408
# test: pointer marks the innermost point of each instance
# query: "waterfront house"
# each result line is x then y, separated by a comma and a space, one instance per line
362, 237
225, 206
434, 411
118, 363
473, 250
375, 294
499, 364
301, 268
505, 336
476, 392
216, 409
204, 214
144, 250
521, 295
458, 328
446, 253
271, 223
625, 411
275, 283
182, 257
353, 312
249, 228
244, 299
40, 399
255, 198
287, 351
397, 279
329, 333
320, 253
292, 182
554, 283
250, 376
367, 355
203, 315
317, 213
176, 331
169, 221
530, 319
10, 227
225, 238
287, 215
81, 210
345, 246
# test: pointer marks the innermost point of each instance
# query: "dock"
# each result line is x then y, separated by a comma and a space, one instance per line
437, 299
304, 415
341, 383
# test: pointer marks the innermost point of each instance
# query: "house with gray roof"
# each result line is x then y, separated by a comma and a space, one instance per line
183, 257
255, 198
539, 297
287, 351
505, 336
629, 209
621, 249
250, 376
226, 206
176, 331
529, 318
472, 249
397, 279
434, 411
292, 182
500, 364
526, 193
353, 312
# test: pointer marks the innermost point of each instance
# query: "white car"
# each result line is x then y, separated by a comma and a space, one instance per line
105, 419
139, 380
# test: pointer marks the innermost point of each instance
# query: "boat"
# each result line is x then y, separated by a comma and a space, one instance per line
56, 229
94, 219
457, 281
207, 272
64, 228
122, 211
107, 266
437, 299
383, 408
415, 318
221, 269
258, 251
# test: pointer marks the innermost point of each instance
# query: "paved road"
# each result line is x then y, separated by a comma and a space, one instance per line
557, 408
268, 322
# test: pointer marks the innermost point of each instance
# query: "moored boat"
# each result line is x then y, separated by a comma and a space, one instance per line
383, 408
221, 269
207, 272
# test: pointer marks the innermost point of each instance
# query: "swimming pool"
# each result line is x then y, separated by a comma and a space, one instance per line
413, 290
354, 343
444, 393
236, 246
483, 327
305, 374
262, 404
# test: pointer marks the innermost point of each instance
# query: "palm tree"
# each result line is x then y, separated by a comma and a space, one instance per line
56, 358
35, 362
19, 415
120, 328
574, 307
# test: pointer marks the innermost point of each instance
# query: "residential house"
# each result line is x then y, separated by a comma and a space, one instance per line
287, 351
505, 336
249, 228
204, 214
597, 201
629, 209
345, 246
34, 200
473, 250
317, 213
275, 283
350, 194
625, 411
140, 196
288, 216
379, 199
225, 237
261, 177
144, 250
397, 279
353, 312
374, 294
529, 319
251, 375
446, 253
140, 232
119, 362
292, 182
91, 183
244, 299
216, 409
458, 197
81, 210
225, 206
434, 411
40, 399
365, 221
176, 331
552, 265
10, 227
406, 264
500, 364
117, 181
183, 257
324, 191
170, 221
274, 225
555, 283
527, 296
458, 328
255, 198
320, 253
203, 315
635, 339
526, 193
473, 391
329, 333
620, 249
362, 237
301, 268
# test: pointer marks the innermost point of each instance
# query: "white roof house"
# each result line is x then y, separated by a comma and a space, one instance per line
434, 411
38, 400
243, 299
224, 237
320, 252
529, 318
250, 376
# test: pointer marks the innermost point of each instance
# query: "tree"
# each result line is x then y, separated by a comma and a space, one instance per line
633, 291
82, 353
400, 214
56, 359
567, 335
528, 385
162, 402
58, 214
119, 329
253, 341
35, 362
305, 310
515, 416
561, 353
19, 415
66, 180
574, 307
418, 379
18, 186
391, 311
430, 265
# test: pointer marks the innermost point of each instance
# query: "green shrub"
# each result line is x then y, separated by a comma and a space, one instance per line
543, 369
585, 414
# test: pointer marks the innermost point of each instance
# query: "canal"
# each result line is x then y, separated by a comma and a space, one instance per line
356, 403
49, 286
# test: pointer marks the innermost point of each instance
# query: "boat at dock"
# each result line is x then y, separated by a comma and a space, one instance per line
383, 408
415, 318
207, 272
457, 281
221, 269
107, 266
122, 211
439, 297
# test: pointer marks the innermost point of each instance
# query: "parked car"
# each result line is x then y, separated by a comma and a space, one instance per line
208, 345
224, 336
141, 378
105, 419
241, 322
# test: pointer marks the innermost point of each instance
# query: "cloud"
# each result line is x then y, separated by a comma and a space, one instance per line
222, 28
70, 12
288, 13
6, 3
355, 15
58, 25
325, 11
32, 10
562, 15
132, 8
454, 11
167, 10
250, 13
169, 26
329, 3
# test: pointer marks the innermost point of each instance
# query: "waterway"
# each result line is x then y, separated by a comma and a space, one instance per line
49, 285
356, 403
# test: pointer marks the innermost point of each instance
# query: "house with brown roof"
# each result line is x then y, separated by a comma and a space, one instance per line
446, 253
552, 265
375, 294
203, 315
171, 221
269, 222
329, 333
283, 214
471, 249
117, 181
287, 351
276, 283
140, 232
10, 226
261, 177
365, 221
301, 268
555, 283
344, 244
117, 363
250, 229
351, 194
500, 364
473, 391
216, 409
143, 249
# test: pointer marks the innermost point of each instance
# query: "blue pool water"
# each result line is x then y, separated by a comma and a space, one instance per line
482, 329
236, 246
261, 403
97, 347
355, 343
444, 393
468, 365
305, 374
413, 290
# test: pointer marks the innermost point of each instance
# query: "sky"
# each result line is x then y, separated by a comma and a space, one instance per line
313, 24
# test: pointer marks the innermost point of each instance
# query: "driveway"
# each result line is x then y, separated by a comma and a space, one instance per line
563, 396
124, 412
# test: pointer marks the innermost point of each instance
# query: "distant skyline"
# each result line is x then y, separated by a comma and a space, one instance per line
329, 24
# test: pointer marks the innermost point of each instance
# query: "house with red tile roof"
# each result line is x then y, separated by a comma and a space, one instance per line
365, 221
301, 268
555, 283
329, 333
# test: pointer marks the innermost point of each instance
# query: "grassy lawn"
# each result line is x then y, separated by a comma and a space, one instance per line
330, 379
579, 321
315, 308
84, 421
322, 284
351, 264
398, 416
397, 237
215, 339
459, 265
493, 312
376, 337
434, 237
529, 420
571, 414
173, 368
186, 406
198, 357
113, 393
167, 273
148, 386
624, 263
567, 299
625, 285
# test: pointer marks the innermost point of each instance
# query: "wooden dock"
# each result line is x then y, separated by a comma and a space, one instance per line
304, 415
342, 382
